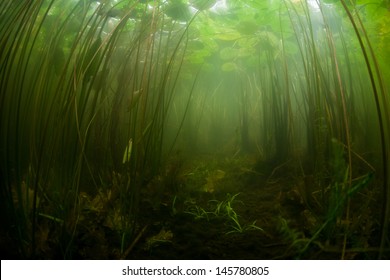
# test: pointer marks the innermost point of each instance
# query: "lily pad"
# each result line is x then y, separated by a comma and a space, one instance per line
203, 4
229, 67
247, 27
228, 36
178, 10
228, 53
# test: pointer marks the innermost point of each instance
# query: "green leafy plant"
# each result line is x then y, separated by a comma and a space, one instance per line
232, 217
223, 210
198, 212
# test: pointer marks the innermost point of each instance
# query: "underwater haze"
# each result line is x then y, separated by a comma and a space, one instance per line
195, 129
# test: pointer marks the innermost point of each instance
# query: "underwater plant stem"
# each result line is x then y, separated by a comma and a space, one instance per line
345, 123
136, 239
383, 134
185, 112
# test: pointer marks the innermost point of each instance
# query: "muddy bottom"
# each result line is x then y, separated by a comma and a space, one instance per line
201, 232
226, 209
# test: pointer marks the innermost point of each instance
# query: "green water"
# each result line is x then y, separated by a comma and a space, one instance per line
134, 117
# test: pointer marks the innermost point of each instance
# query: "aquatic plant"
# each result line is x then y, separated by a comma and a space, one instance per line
382, 106
232, 216
222, 210
198, 212
95, 95
86, 76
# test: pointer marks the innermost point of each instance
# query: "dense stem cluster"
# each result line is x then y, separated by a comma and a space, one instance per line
101, 101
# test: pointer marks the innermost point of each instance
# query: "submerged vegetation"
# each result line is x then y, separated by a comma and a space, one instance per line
195, 129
